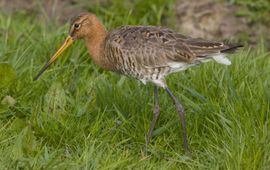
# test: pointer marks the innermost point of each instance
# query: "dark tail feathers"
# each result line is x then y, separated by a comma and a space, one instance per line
231, 48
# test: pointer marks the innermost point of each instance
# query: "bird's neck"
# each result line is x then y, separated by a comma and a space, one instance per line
95, 44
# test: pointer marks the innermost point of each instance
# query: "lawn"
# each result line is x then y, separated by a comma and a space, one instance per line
78, 116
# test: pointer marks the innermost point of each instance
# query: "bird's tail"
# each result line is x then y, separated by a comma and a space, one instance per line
220, 57
231, 48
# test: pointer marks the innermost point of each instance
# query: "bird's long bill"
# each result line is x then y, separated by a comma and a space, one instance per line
65, 45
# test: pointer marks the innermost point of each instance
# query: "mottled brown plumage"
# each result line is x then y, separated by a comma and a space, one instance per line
147, 53
150, 53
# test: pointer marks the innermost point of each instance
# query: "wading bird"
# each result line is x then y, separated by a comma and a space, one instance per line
147, 53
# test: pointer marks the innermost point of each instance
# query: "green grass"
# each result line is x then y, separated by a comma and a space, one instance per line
256, 11
78, 116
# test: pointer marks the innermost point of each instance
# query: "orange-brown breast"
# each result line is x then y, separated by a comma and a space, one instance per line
95, 45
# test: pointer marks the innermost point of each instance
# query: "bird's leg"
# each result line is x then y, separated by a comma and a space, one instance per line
155, 116
180, 111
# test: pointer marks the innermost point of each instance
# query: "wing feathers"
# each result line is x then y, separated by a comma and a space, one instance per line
158, 47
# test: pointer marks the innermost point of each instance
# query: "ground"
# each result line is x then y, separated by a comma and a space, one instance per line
218, 20
78, 116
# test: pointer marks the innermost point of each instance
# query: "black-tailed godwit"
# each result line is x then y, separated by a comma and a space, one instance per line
147, 53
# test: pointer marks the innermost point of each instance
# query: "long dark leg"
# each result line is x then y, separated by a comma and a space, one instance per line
180, 110
155, 116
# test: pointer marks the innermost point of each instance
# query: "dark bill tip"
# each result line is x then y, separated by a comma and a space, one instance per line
41, 71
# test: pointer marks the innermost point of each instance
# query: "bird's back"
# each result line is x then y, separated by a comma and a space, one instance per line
149, 53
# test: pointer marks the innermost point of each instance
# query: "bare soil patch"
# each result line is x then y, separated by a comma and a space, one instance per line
217, 20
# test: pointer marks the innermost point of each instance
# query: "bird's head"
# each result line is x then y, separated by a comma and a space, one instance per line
82, 26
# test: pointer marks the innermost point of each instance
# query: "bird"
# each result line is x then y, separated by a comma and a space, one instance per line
146, 53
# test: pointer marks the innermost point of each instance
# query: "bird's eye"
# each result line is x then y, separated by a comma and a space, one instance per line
77, 26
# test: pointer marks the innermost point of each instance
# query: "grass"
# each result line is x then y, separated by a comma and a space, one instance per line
255, 11
78, 116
